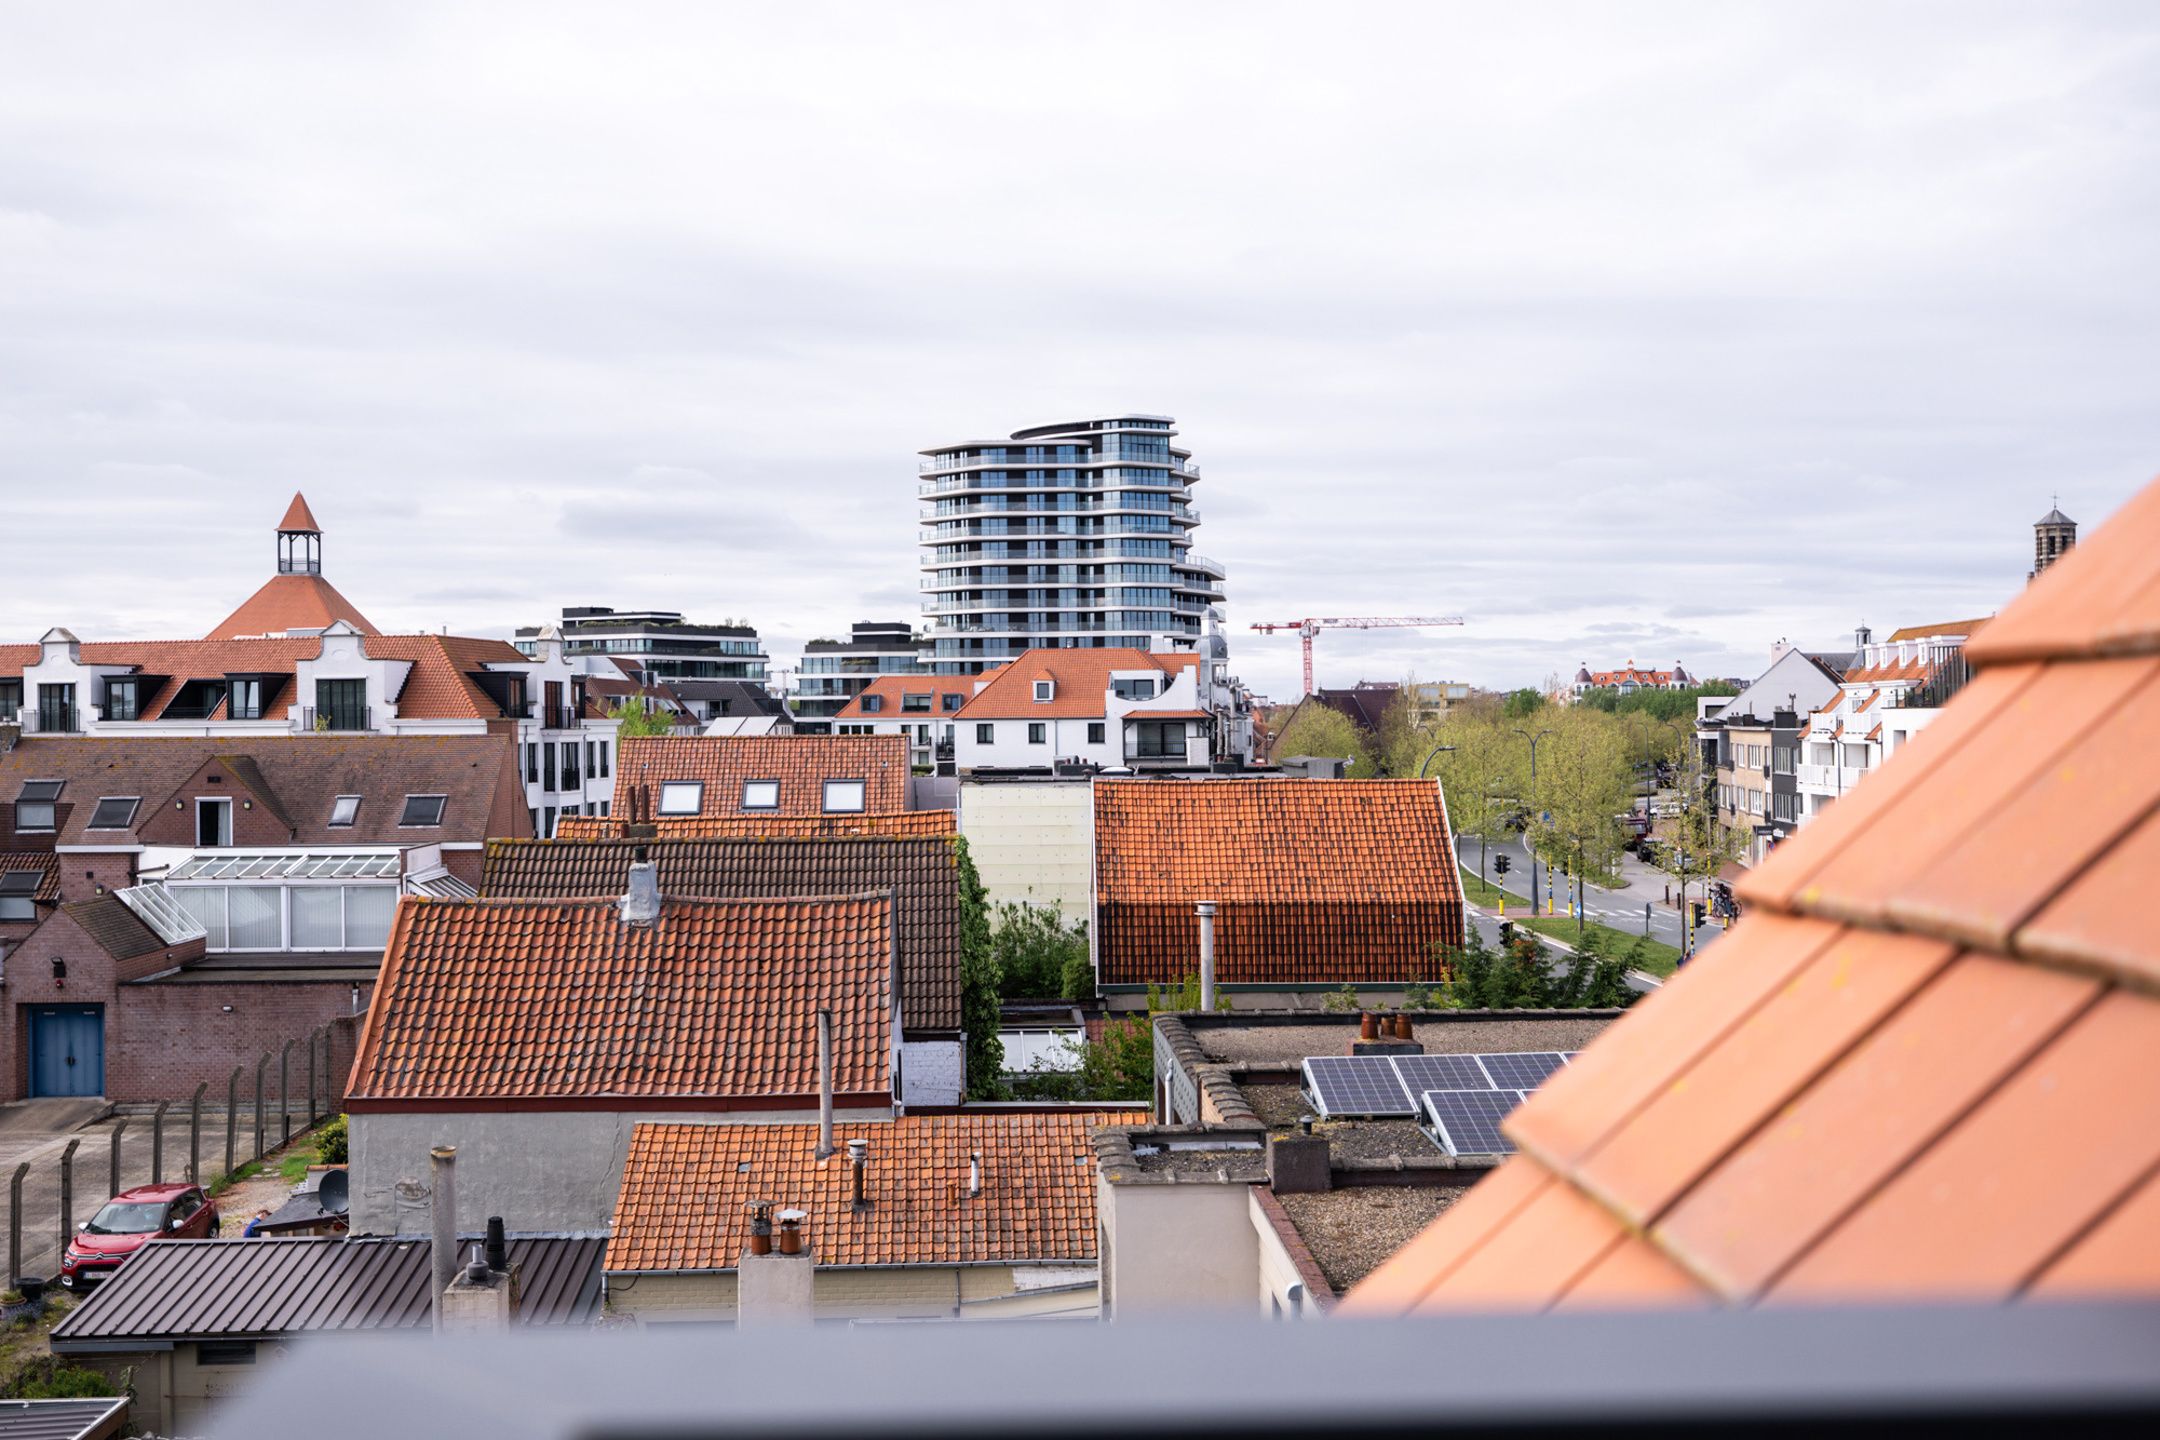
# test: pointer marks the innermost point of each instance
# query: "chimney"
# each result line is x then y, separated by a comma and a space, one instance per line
824, 1084
442, 1203
776, 1289
858, 1154
974, 1174
1206, 911
641, 902
484, 1295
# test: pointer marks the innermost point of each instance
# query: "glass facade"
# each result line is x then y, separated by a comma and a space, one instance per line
1032, 543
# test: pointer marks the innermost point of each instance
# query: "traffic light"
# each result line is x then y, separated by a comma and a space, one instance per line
1500, 864
1702, 912
1507, 933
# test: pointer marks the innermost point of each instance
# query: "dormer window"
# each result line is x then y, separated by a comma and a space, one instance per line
115, 812
682, 797
18, 895
953, 700
123, 699
761, 795
35, 805
422, 810
244, 700
844, 797
344, 810
871, 704
1044, 689
918, 703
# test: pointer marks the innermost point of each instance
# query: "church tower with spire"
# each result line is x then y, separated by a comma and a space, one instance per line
2053, 535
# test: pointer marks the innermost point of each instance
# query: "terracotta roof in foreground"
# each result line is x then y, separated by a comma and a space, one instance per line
801, 764
684, 1188
922, 870
739, 827
558, 1003
1317, 880
1927, 1065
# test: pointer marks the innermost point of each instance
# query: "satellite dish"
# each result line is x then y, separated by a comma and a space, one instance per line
333, 1191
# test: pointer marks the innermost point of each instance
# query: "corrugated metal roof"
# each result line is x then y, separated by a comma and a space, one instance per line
213, 1289
61, 1419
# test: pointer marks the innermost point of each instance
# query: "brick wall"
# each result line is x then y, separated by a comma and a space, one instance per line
162, 1037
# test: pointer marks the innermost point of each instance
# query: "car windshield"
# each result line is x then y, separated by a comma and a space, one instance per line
127, 1217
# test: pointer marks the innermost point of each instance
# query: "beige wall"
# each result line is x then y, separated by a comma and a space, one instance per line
1278, 1272
173, 1393
912, 1292
1183, 1247
1031, 842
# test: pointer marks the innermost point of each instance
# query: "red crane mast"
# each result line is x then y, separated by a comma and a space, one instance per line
1313, 625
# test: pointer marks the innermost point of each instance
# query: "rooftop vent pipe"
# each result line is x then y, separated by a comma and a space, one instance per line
858, 1154
791, 1237
760, 1226
498, 1246
974, 1174
442, 1202
1206, 911
641, 902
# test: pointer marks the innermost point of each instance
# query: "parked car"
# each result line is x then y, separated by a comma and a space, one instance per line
131, 1220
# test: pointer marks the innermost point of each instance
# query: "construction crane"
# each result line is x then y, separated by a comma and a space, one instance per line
1308, 628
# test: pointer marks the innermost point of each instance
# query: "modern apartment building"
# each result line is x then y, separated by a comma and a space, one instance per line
660, 643
1068, 536
834, 672
1892, 690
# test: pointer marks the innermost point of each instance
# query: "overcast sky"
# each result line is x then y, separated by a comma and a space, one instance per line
1623, 331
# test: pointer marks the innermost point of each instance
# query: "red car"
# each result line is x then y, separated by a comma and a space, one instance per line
131, 1220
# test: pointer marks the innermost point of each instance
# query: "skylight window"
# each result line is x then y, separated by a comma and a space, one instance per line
344, 811
761, 795
115, 812
682, 797
843, 797
422, 810
34, 809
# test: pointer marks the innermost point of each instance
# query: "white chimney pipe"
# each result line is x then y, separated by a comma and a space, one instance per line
824, 1084
641, 902
442, 1202
1206, 911
974, 1174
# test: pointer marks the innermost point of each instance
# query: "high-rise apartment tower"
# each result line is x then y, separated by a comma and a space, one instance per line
1072, 535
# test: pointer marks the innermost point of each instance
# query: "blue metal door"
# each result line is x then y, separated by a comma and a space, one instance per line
67, 1050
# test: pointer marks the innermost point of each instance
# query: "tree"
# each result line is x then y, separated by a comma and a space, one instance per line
1691, 845
1583, 783
1039, 955
636, 716
1522, 704
1317, 730
1478, 776
1525, 975
980, 1018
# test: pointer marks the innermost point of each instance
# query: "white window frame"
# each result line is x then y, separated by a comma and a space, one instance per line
1045, 691
134, 804
861, 795
352, 815
755, 793
225, 826
676, 789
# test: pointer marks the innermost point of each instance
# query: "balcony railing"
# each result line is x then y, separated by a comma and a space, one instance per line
341, 720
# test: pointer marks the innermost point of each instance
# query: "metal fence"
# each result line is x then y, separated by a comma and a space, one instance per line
271, 1121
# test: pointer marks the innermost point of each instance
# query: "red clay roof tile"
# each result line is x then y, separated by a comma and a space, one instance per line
290, 602
1082, 681
752, 827
800, 763
298, 516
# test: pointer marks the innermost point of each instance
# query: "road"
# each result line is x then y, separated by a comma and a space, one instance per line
1621, 909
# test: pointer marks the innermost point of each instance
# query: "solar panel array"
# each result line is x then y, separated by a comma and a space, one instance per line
1376, 1085
1467, 1122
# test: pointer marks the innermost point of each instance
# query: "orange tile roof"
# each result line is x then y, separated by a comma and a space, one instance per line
1927, 1065
801, 763
1966, 628
1081, 679
684, 1189
750, 827
290, 602
298, 516
1317, 880
893, 690
554, 1004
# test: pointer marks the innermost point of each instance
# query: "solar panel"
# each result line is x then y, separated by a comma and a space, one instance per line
1467, 1122
1441, 1072
1356, 1085
1524, 1071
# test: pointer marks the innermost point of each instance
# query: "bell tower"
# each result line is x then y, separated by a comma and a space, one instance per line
299, 540
2053, 535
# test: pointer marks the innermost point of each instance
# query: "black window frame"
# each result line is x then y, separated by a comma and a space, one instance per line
1098, 731
660, 801
405, 816
337, 709
1143, 728
245, 696
951, 701
11, 696
350, 820
126, 822
985, 733
50, 802
1038, 732
873, 704
745, 803
117, 707
862, 796
18, 895
57, 701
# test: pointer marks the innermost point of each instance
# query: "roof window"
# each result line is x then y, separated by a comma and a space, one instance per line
1044, 690
953, 700
761, 795
871, 704
34, 804
344, 810
115, 812
919, 702
18, 891
682, 797
422, 810
844, 797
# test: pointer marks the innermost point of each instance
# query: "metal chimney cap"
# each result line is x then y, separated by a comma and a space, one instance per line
1204, 908
792, 1216
858, 1151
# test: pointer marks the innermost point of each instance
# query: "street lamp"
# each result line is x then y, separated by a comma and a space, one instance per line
1533, 739
1436, 750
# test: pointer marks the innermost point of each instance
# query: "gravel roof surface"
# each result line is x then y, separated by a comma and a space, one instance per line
1351, 1231
1289, 1044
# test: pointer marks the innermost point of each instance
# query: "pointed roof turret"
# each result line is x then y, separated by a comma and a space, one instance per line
299, 520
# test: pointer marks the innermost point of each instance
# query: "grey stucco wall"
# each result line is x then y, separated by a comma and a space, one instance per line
542, 1170
932, 1072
